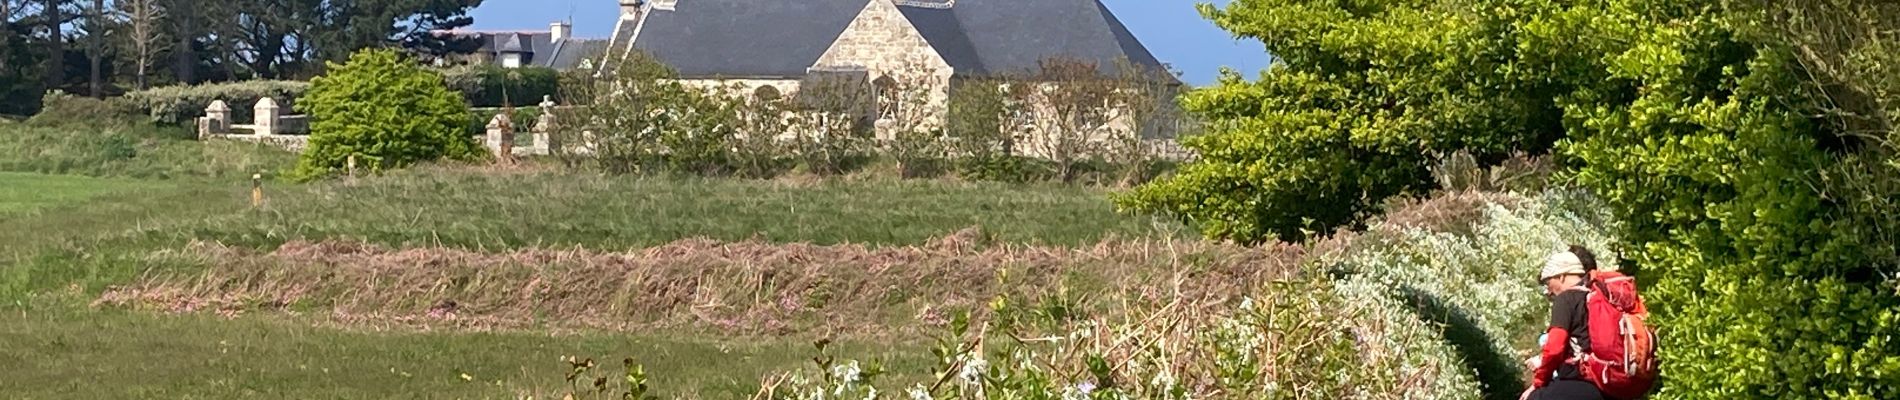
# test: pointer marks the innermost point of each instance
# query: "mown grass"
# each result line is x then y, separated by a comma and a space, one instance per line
22, 193
103, 353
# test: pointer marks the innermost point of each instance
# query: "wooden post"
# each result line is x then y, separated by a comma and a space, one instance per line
351, 165
257, 190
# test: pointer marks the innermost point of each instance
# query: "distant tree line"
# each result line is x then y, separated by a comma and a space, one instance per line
102, 47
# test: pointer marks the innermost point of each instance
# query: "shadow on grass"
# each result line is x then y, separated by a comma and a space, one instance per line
1498, 374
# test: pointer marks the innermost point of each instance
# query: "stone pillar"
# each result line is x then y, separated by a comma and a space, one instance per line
497, 127
267, 113
217, 120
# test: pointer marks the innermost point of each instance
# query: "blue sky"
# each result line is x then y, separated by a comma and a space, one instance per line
1170, 28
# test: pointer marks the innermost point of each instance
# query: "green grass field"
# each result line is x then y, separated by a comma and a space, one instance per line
89, 353
69, 238
22, 193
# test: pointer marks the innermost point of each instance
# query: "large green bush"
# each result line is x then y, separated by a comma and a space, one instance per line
1773, 276
1749, 146
182, 104
386, 111
1360, 100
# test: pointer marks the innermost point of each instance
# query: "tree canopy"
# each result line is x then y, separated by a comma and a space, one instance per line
49, 44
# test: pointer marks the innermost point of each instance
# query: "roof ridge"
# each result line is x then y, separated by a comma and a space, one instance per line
937, 4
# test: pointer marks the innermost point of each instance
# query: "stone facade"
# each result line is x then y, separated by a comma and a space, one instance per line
746, 87
907, 72
883, 42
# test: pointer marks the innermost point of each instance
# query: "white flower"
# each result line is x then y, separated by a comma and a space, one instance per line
848, 372
1163, 380
973, 370
870, 393
918, 393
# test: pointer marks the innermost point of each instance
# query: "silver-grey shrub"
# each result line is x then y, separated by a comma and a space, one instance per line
179, 105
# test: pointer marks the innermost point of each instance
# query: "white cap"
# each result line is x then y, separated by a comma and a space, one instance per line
1560, 264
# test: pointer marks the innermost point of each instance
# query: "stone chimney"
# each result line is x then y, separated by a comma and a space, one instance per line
561, 30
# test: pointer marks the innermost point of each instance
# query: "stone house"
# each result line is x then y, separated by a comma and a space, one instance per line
555, 48
772, 47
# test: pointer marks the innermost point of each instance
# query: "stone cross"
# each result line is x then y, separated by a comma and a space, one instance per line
544, 126
267, 113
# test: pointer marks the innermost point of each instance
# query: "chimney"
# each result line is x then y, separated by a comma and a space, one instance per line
561, 30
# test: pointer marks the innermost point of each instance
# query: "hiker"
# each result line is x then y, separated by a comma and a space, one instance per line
1597, 345
1556, 375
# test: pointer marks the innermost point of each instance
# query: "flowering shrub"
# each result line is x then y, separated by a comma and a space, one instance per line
1300, 339
1399, 312
1480, 286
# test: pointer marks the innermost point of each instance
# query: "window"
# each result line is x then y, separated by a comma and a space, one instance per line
766, 94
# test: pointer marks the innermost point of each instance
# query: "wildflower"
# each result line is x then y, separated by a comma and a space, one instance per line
848, 373
1080, 391
918, 393
1163, 380
973, 370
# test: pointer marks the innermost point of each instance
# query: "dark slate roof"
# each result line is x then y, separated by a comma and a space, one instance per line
745, 38
512, 44
523, 42
569, 53
1015, 36
778, 38
941, 28
541, 48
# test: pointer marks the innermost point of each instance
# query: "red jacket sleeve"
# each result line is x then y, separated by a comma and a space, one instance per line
1553, 356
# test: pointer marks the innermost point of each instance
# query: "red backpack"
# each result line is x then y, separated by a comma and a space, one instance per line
1621, 359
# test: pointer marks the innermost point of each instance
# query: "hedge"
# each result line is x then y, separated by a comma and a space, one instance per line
179, 105
482, 86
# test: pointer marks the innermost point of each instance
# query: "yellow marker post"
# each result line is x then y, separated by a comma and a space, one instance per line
257, 190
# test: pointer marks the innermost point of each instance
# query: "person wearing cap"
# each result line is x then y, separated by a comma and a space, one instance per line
1556, 376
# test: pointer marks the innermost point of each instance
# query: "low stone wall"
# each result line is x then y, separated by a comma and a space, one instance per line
294, 143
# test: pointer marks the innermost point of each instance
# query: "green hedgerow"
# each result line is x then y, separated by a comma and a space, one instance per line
385, 110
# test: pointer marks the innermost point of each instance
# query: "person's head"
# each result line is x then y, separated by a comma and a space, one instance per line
1562, 271
1584, 256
